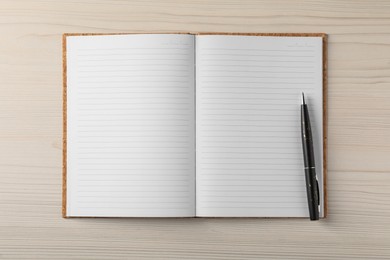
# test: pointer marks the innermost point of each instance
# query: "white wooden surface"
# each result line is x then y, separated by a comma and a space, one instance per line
31, 226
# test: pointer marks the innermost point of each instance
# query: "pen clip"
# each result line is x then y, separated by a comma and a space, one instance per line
318, 195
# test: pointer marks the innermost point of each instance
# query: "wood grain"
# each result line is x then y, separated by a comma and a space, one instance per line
358, 223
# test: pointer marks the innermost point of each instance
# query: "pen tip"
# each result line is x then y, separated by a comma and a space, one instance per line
303, 99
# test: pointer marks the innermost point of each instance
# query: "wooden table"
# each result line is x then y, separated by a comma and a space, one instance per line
31, 226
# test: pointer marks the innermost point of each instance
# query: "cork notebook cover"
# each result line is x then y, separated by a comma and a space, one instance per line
324, 98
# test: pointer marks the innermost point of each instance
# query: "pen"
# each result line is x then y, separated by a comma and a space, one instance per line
313, 197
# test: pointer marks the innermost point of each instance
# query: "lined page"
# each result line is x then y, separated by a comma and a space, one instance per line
249, 156
130, 132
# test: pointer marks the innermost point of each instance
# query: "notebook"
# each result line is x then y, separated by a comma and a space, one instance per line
191, 125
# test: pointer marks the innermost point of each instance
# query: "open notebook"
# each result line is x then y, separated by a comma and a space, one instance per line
182, 125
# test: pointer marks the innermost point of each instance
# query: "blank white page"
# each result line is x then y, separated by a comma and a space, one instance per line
249, 156
130, 126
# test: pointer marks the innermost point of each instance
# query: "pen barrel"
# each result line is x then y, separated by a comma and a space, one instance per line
312, 193
307, 139
309, 163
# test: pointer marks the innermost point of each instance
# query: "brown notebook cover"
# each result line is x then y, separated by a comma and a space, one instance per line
324, 90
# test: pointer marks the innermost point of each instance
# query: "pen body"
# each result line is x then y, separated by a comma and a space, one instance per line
309, 163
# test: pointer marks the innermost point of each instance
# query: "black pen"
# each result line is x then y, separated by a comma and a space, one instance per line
313, 196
